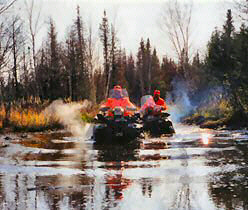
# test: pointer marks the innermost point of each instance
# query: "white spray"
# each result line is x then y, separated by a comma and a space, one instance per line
178, 101
69, 116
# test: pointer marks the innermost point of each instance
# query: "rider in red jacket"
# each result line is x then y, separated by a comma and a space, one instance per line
158, 100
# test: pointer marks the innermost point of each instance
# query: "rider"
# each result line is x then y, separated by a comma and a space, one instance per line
118, 99
159, 101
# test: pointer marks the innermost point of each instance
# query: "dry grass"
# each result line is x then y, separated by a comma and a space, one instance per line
27, 115
30, 116
2, 116
88, 114
31, 120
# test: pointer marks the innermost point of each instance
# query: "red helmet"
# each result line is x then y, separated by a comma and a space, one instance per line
156, 92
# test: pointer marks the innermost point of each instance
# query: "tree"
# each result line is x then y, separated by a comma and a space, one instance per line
83, 74
17, 40
5, 37
175, 23
5, 6
5, 45
104, 37
113, 58
131, 78
54, 63
91, 66
121, 66
242, 6
42, 75
71, 63
33, 25
168, 73
222, 62
241, 64
78, 61
148, 65
155, 71
140, 67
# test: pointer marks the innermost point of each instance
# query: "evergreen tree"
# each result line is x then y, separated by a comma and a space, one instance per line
113, 59
155, 71
104, 37
82, 70
168, 73
54, 64
222, 63
131, 78
42, 75
140, 68
121, 66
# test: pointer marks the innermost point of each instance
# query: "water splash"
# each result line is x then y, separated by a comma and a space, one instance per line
178, 101
69, 116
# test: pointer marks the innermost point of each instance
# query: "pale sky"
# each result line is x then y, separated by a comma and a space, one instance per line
134, 19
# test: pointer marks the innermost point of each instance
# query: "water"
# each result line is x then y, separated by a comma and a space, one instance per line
194, 169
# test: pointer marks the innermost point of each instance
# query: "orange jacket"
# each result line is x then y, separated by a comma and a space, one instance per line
123, 102
161, 102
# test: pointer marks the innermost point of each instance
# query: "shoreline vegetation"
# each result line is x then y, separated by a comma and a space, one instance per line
214, 81
31, 116
219, 116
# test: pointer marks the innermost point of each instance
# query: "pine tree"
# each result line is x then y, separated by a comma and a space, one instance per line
155, 70
104, 36
71, 65
54, 64
113, 59
83, 73
131, 78
140, 67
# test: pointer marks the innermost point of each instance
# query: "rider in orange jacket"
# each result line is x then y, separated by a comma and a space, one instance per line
159, 101
119, 99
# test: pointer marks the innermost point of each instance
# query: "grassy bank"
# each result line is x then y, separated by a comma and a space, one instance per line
88, 114
29, 117
217, 116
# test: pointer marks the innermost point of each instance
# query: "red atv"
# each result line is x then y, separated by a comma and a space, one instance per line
117, 120
155, 118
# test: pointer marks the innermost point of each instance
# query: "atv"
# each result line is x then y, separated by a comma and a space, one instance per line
117, 121
155, 119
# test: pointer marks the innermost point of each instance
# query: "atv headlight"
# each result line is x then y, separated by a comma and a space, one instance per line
118, 111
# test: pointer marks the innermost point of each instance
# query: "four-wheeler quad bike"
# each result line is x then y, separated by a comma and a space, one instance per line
155, 119
117, 121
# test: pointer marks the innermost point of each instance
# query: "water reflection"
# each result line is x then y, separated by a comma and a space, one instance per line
45, 174
205, 138
58, 171
229, 188
118, 152
146, 184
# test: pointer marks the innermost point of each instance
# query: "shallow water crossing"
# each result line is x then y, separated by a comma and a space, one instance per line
194, 169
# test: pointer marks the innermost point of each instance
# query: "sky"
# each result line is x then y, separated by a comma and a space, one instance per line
133, 19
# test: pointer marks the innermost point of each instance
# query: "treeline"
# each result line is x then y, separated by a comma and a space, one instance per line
227, 62
71, 68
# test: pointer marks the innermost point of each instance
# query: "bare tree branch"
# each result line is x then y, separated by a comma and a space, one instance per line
34, 26
5, 7
175, 23
242, 7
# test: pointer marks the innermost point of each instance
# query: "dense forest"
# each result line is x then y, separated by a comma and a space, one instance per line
69, 69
